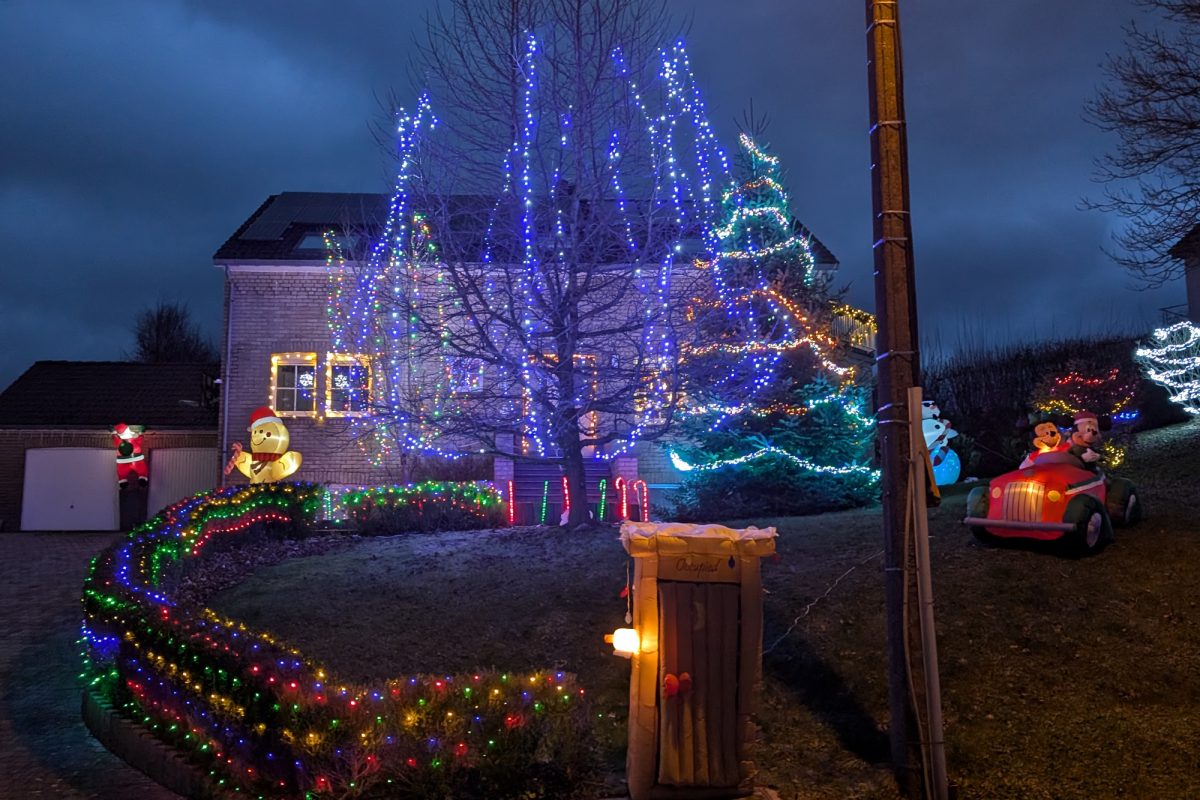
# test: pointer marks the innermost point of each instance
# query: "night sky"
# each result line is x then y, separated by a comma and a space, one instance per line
139, 134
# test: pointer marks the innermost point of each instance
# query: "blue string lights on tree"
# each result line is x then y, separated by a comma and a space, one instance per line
569, 303
370, 307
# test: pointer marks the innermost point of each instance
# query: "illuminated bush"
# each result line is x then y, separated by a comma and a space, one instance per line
265, 720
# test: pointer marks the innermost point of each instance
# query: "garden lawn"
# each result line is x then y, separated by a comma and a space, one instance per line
1061, 678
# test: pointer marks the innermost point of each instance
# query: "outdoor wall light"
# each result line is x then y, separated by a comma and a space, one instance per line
625, 642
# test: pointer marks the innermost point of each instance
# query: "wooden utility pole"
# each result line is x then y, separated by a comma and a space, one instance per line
898, 362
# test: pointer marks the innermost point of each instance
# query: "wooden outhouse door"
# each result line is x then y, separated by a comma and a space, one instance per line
699, 645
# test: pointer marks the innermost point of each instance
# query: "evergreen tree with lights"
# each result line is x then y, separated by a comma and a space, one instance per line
773, 423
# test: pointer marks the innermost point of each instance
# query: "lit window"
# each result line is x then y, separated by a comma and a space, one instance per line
347, 384
465, 375
294, 384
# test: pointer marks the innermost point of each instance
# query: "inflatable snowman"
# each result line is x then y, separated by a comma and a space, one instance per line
938, 433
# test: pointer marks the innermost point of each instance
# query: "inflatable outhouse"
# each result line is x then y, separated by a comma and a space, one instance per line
697, 658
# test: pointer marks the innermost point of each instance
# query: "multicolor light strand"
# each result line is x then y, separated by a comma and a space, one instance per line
1109, 393
255, 713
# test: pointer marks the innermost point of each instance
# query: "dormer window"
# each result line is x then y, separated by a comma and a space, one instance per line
316, 241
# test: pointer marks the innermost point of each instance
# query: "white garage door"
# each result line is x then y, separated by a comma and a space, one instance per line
70, 489
179, 472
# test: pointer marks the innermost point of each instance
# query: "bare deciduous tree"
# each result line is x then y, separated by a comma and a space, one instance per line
167, 333
1152, 177
532, 295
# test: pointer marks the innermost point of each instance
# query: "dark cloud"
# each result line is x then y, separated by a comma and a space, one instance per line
139, 133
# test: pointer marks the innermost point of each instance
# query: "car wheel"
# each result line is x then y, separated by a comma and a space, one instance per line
1092, 527
1124, 504
977, 506
1133, 509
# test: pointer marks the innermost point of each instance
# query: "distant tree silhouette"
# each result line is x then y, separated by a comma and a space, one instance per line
166, 333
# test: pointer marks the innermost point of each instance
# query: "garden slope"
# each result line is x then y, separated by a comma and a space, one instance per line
1061, 678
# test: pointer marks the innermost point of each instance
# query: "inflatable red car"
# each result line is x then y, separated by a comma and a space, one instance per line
1054, 499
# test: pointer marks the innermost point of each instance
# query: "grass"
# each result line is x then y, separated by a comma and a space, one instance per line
1061, 678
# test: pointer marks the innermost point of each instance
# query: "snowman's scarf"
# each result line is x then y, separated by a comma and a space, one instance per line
259, 460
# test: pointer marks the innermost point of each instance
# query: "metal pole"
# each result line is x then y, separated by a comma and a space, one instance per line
939, 788
896, 342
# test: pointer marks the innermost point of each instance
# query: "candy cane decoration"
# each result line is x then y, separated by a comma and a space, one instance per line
622, 486
603, 498
643, 495
566, 496
512, 505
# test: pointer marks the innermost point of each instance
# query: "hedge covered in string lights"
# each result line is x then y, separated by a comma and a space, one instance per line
425, 506
265, 721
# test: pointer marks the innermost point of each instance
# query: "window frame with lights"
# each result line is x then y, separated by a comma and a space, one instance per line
465, 375
299, 359
332, 362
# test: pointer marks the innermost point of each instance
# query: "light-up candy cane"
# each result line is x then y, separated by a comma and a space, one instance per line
603, 499
622, 486
643, 495
512, 505
566, 496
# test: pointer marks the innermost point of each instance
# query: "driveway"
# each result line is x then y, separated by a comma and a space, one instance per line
45, 751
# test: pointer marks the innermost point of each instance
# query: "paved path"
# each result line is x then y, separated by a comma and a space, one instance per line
45, 751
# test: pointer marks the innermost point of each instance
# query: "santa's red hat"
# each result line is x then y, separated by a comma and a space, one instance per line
1082, 415
261, 416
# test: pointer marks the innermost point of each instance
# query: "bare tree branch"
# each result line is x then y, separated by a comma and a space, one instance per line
1152, 177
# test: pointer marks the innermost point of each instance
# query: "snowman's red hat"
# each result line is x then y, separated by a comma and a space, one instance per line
261, 416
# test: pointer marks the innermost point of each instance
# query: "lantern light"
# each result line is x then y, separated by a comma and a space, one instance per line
625, 642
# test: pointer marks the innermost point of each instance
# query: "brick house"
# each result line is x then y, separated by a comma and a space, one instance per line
57, 457
277, 349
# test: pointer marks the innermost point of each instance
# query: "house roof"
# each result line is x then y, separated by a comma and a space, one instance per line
281, 229
65, 394
277, 229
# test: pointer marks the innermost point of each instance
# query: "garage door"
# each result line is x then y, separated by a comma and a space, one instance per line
179, 472
70, 489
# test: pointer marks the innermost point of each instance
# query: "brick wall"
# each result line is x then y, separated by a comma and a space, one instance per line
14, 443
276, 311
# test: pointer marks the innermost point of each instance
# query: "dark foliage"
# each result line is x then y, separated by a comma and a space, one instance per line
770, 487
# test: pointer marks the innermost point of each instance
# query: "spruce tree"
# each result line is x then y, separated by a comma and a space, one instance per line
774, 424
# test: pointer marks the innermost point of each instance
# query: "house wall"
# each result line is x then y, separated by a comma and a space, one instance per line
283, 310
15, 441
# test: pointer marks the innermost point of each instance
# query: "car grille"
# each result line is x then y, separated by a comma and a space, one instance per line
1023, 501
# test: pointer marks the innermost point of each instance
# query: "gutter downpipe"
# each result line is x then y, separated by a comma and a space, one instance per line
225, 375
